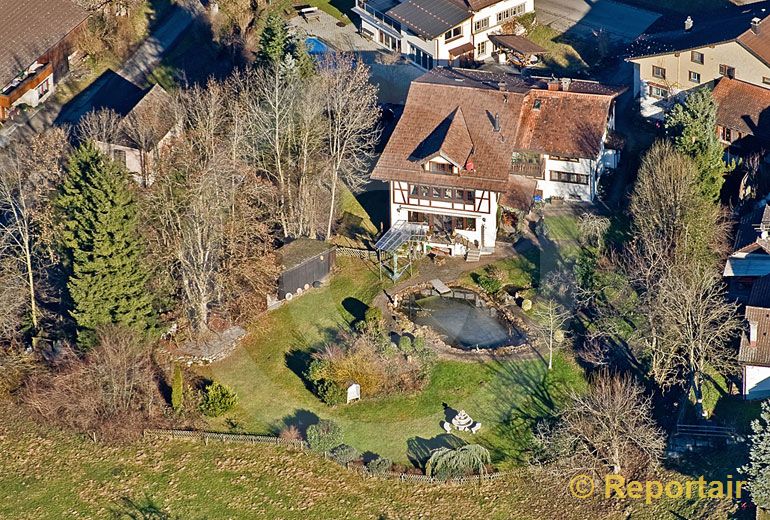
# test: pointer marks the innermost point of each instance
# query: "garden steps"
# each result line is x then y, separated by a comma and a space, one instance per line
473, 255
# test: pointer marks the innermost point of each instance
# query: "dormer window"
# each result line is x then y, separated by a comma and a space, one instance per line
440, 167
536, 105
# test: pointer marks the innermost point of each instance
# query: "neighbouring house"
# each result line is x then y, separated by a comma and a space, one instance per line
754, 354
147, 123
669, 63
471, 141
36, 41
743, 117
433, 33
750, 259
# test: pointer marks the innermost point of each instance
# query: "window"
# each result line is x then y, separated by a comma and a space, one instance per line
725, 134
43, 88
420, 57
766, 80
658, 92
119, 156
565, 159
569, 177
430, 192
658, 72
390, 42
504, 16
537, 104
453, 34
480, 25
726, 70
694, 77
437, 167
481, 49
696, 57
466, 223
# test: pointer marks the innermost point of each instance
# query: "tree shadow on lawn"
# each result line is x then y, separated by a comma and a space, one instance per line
419, 449
355, 307
298, 358
525, 393
300, 419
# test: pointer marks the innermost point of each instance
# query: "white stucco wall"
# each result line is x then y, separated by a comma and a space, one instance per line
567, 190
756, 382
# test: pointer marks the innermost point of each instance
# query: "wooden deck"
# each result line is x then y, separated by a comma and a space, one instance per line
440, 286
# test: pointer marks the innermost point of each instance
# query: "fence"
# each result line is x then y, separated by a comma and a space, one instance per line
364, 254
277, 441
704, 430
225, 437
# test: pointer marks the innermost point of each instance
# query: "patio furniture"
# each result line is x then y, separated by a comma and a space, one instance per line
462, 421
447, 427
476, 427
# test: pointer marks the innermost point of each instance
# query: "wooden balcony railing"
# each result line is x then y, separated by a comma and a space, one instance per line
10, 96
529, 169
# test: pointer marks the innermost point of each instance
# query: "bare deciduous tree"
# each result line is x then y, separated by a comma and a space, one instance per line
548, 326
608, 428
29, 174
697, 325
351, 114
103, 126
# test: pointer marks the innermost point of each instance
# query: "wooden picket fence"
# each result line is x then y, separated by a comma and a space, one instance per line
277, 441
225, 437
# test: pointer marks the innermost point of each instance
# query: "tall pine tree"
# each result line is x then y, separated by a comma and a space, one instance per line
106, 280
694, 130
277, 45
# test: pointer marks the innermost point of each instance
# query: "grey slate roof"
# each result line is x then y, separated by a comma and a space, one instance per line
708, 29
429, 18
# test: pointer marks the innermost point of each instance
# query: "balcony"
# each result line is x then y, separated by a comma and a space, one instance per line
31, 78
528, 165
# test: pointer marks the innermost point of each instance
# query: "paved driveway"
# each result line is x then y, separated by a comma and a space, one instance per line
582, 17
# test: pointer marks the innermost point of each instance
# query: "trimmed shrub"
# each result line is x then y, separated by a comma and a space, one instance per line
526, 305
418, 344
331, 393
379, 466
177, 390
344, 454
405, 344
324, 436
218, 399
373, 316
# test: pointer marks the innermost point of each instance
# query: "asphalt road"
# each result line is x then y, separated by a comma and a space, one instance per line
621, 21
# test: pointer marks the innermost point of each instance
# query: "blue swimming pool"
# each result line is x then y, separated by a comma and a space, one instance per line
316, 46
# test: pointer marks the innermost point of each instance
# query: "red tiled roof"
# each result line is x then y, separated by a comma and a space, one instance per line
743, 107
567, 123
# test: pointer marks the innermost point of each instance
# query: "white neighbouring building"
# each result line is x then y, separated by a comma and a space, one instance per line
434, 33
470, 142
754, 355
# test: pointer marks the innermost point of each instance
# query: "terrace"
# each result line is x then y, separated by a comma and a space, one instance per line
29, 79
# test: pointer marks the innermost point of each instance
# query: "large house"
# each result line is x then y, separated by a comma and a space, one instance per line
36, 40
438, 32
471, 141
669, 63
754, 354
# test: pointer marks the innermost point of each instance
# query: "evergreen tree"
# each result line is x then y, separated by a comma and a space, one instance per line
277, 47
693, 125
758, 468
105, 276
177, 390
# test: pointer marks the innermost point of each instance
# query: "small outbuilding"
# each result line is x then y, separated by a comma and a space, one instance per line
304, 264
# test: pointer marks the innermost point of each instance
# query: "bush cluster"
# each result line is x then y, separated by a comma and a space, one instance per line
218, 399
324, 436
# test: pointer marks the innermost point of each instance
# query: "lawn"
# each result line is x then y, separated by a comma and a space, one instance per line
51, 474
562, 58
266, 373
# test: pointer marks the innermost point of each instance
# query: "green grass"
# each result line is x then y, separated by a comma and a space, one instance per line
51, 474
340, 9
562, 57
266, 375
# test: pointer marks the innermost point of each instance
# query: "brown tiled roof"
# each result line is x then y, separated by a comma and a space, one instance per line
450, 139
758, 312
461, 49
743, 107
29, 28
516, 43
566, 123
519, 192
758, 43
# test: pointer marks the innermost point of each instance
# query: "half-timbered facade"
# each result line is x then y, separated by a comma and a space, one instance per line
470, 141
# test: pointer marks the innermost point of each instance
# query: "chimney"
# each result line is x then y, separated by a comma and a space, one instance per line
688, 24
554, 85
755, 25
752, 331
502, 86
565, 83
496, 123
